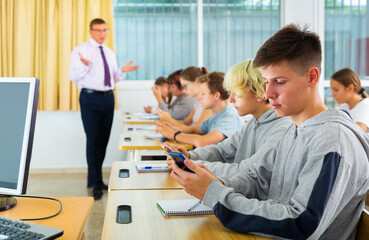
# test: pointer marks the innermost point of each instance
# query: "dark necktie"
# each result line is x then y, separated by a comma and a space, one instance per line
106, 69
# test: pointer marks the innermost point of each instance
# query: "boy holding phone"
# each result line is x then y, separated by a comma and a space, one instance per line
313, 184
221, 124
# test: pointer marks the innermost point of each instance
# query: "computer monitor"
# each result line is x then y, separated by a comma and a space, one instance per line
18, 108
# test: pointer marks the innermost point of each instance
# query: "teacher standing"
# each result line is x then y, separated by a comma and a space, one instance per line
94, 67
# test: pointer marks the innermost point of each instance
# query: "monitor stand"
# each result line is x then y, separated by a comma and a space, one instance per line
7, 202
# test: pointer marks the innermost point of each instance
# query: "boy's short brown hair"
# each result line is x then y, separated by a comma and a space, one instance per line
300, 48
215, 83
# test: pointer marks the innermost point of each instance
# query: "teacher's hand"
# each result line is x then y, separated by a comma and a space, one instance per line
129, 68
83, 60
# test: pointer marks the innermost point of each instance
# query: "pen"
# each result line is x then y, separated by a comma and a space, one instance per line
195, 205
156, 167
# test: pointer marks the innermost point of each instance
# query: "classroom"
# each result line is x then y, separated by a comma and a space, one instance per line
216, 119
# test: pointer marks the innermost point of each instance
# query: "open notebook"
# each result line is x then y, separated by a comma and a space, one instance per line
181, 206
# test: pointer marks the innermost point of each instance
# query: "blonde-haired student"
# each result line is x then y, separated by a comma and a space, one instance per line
245, 147
221, 124
347, 90
198, 115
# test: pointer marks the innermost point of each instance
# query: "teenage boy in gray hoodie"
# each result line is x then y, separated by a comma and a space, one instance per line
313, 184
238, 152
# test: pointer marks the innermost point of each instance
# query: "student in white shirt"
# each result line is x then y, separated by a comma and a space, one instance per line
347, 91
198, 115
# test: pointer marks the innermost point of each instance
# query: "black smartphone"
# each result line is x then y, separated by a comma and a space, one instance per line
178, 158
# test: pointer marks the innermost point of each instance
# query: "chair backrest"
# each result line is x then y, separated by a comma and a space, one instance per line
362, 232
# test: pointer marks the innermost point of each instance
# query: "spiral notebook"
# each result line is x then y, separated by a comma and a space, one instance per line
181, 207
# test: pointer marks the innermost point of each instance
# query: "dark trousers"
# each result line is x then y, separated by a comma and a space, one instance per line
97, 111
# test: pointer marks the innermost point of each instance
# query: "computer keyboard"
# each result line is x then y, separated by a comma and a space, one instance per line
12, 229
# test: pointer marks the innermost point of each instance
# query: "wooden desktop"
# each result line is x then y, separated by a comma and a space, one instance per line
72, 218
139, 181
134, 138
149, 223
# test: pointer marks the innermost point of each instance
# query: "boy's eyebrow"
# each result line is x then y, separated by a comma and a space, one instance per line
275, 77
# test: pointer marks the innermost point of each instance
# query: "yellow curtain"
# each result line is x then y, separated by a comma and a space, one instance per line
37, 37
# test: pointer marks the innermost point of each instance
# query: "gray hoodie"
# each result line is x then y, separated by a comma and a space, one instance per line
312, 185
238, 152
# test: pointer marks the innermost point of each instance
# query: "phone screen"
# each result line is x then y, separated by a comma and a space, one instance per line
178, 158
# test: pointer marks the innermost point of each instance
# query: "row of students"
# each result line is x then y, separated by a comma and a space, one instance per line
347, 91
182, 105
309, 184
221, 124
188, 79
238, 152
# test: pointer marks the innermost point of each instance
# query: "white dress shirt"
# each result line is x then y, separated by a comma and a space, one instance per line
92, 76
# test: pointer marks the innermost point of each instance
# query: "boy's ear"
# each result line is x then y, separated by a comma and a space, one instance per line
313, 74
217, 95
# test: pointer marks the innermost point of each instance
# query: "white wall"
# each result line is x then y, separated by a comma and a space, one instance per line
60, 141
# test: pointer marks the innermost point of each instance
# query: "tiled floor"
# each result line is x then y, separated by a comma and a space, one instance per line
71, 185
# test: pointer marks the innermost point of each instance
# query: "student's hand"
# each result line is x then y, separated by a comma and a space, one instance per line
156, 91
83, 60
196, 183
177, 148
170, 162
174, 148
164, 116
129, 68
148, 109
165, 130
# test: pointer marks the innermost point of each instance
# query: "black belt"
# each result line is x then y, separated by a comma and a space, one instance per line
96, 92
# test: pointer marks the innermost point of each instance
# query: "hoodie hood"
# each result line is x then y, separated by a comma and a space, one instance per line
267, 117
335, 116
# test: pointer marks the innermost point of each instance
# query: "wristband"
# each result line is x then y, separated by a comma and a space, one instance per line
175, 134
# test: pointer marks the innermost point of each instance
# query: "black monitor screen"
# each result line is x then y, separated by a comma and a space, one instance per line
17, 112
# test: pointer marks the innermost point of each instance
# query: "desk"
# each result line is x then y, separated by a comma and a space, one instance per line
149, 223
137, 141
139, 181
72, 218
130, 119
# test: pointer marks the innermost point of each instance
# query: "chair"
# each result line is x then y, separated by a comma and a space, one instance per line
362, 232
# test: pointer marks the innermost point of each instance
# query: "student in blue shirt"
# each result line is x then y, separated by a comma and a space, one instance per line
222, 123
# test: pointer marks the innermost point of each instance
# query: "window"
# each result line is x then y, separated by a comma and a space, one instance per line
159, 35
163, 35
234, 30
346, 40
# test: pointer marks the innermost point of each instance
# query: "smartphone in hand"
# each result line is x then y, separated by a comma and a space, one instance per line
178, 158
